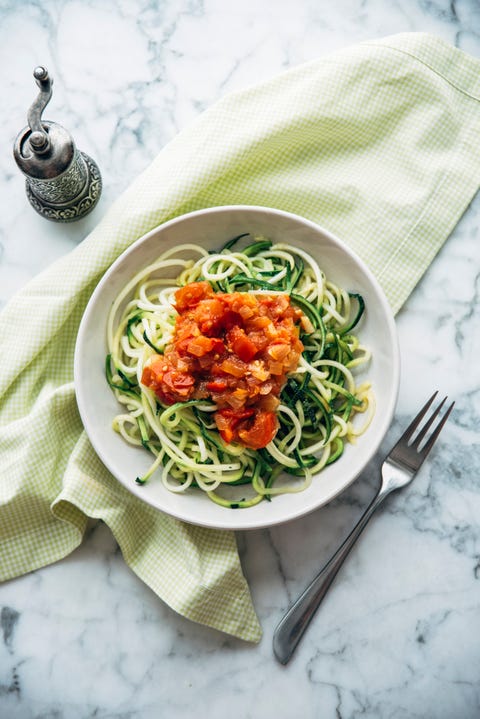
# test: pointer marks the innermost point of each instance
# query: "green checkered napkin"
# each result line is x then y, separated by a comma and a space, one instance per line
378, 143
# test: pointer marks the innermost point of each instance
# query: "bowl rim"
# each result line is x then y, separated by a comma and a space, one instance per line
388, 411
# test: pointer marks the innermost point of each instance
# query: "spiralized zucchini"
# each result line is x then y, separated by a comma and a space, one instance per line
318, 403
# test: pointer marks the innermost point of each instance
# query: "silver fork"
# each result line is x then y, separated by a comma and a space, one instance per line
398, 469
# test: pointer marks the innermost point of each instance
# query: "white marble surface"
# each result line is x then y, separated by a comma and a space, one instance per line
399, 634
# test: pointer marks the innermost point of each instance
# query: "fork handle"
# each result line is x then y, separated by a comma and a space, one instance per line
293, 625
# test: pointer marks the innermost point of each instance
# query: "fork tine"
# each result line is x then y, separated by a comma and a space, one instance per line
416, 420
431, 441
428, 424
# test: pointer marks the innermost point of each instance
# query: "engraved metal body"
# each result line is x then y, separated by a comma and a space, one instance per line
62, 183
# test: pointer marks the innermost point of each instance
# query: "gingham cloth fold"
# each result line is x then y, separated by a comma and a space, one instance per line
378, 143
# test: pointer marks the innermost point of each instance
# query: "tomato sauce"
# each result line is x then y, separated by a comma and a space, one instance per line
235, 348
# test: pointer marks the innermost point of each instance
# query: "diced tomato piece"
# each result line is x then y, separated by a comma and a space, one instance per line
178, 381
201, 345
279, 305
227, 420
169, 385
258, 370
209, 314
192, 294
259, 340
261, 432
152, 373
278, 351
275, 368
258, 323
234, 366
242, 345
237, 301
238, 397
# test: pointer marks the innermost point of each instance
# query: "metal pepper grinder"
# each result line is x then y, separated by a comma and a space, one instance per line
63, 184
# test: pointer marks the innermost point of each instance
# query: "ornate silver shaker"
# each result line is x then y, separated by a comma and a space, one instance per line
62, 183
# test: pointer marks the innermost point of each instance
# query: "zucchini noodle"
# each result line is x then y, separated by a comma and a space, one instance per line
318, 403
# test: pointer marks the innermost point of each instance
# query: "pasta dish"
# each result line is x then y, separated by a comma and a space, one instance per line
236, 369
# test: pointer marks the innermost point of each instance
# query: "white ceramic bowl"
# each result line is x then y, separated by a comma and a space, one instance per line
211, 228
